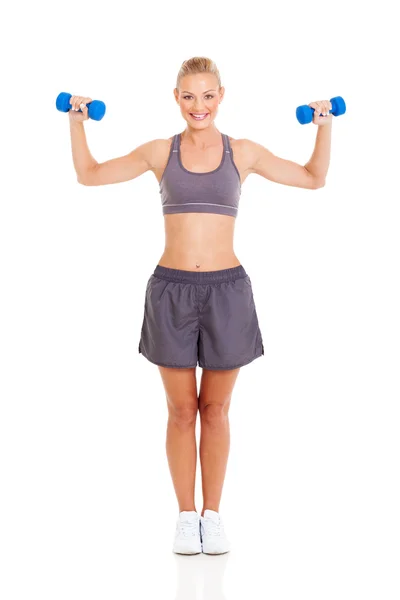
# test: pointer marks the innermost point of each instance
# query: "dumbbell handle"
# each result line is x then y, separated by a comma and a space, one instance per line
96, 108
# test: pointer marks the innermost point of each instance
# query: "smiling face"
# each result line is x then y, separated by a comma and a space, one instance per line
198, 97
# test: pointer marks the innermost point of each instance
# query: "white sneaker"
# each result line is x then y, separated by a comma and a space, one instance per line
187, 535
212, 533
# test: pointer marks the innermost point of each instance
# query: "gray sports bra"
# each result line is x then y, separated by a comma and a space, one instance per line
216, 191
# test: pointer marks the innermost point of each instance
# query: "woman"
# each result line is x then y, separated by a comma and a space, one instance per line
199, 304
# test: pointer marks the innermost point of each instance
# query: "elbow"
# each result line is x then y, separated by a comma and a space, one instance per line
87, 177
84, 180
312, 181
318, 184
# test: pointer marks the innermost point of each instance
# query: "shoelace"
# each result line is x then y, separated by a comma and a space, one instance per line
188, 528
213, 528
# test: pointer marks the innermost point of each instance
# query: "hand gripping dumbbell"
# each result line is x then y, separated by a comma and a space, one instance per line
305, 113
96, 108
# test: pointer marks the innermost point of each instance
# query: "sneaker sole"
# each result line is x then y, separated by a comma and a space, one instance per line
188, 552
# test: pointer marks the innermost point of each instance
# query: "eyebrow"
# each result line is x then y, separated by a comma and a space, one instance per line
185, 92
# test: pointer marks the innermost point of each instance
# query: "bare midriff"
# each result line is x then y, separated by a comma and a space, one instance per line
199, 242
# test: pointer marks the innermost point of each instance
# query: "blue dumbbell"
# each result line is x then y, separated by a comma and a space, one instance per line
96, 108
305, 113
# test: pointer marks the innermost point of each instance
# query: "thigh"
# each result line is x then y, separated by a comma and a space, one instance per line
181, 390
216, 387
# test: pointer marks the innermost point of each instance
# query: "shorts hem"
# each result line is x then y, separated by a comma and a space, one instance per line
159, 364
213, 368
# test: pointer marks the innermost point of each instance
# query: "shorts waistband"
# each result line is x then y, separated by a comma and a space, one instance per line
200, 277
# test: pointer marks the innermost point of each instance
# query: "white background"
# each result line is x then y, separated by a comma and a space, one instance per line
311, 496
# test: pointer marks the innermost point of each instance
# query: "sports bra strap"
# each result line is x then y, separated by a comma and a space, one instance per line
226, 142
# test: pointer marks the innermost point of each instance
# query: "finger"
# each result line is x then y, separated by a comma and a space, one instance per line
318, 109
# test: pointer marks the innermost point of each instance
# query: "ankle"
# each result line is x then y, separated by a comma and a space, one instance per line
210, 507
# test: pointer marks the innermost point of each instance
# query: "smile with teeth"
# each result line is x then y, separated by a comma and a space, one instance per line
199, 116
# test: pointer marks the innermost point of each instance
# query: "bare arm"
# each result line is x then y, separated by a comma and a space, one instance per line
318, 164
116, 170
279, 170
83, 160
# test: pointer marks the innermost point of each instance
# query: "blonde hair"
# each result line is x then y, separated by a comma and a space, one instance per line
197, 64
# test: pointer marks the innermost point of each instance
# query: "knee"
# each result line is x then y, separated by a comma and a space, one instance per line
214, 414
183, 417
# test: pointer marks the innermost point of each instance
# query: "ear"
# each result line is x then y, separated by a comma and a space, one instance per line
176, 94
221, 93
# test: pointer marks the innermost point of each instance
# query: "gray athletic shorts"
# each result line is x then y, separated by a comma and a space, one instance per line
207, 318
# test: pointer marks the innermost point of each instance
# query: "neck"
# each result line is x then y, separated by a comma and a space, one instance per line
210, 136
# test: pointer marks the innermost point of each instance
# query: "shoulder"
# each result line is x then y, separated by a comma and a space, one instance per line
156, 150
243, 145
246, 151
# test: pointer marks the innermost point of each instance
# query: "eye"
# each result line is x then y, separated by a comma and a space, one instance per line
208, 96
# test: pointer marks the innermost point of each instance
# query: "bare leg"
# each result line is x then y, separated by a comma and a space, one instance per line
181, 391
214, 401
